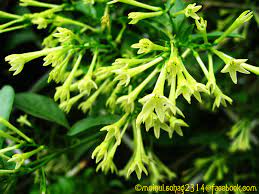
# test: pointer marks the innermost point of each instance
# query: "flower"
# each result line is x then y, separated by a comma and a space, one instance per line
64, 35
87, 84
17, 61
24, 121
176, 125
232, 65
124, 75
188, 87
127, 102
126, 63
220, 98
137, 16
106, 150
243, 18
137, 4
85, 106
111, 101
159, 172
139, 158
153, 121
20, 158
201, 24
40, 21
67, 105
191, 9
158, 103
146, 46
240, 134
62, 93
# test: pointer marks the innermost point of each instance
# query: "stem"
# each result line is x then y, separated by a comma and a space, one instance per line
37, 4
7, 136
137, 90
7, 171
13, 128
202, 65
9, 15
139, 69
3, 26
64, 20
2, 151
71, 75
92, 65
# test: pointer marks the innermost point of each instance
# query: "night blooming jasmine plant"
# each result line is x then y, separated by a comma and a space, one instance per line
139, 64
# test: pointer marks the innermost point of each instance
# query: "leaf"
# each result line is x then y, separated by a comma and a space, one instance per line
89, 122
6, 105
40, 107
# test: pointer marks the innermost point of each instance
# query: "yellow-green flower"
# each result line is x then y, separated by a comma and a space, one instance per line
137, 16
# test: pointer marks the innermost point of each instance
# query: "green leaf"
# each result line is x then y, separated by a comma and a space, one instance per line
41, 107
6, 104
89, 122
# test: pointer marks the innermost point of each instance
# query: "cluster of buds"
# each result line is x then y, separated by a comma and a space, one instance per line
159, 66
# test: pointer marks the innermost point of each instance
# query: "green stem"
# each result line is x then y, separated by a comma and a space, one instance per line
13, 128
64, 20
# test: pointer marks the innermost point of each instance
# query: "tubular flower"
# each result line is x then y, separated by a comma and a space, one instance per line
20, 158
137, 4
156, 101
17, 61
191, 9
146, 46
139, 158
137, 16
124, 75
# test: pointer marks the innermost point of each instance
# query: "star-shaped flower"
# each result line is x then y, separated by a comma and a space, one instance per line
191, 9
234, 66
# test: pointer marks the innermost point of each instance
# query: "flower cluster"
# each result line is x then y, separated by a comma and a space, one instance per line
145, 88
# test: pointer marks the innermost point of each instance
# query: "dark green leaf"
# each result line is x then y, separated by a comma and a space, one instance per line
6, 104
41, 107
89, 122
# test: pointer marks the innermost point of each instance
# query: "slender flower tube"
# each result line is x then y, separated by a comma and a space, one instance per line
34, 3
156, 103
146, 46
124, 76
243, 18
20, 158
85, 106
137, 16
63, 92
137, 4
17, 61
234, 65
202, 27
87, 84
139, 158
7, 136
127, 102
8, 15
2, 151
190, 11
13, 128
